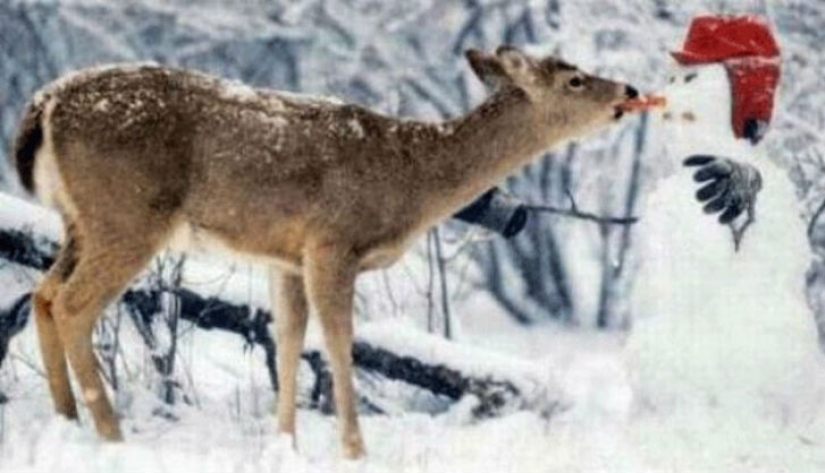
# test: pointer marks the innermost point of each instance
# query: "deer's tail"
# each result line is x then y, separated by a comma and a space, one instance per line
28, 141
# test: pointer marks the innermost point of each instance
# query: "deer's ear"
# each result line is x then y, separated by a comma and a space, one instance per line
487, 67
515, 63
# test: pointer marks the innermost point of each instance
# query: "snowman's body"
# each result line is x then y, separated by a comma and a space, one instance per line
715, 327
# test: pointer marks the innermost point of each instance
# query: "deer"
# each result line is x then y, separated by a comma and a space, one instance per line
137, 158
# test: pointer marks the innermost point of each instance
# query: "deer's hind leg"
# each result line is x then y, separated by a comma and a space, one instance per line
51, 348
106, 263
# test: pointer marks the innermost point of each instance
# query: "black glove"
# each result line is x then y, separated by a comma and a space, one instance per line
731, 186
496, 210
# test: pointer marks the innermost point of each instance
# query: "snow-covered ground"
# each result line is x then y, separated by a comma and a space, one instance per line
231, 426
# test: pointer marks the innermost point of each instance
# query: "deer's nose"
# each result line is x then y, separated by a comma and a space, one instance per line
631, 92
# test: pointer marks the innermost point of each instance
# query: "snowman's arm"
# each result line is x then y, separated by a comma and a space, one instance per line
728, 187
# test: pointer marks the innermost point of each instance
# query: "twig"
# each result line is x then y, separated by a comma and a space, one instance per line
739, 233
388, 288
574, 212
814, 219
473, 236
569, 195
442, 273
430, 282
28, 364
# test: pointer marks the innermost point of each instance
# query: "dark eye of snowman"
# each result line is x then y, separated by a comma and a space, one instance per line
690, 77
672, 79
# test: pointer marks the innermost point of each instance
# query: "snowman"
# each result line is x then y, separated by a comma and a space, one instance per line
721, 324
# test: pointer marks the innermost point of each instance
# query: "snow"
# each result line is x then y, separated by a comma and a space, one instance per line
356, 127
27, 215
310, 99
237, 90
232, 428
68, 78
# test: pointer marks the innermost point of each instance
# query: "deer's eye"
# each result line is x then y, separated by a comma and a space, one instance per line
576, 83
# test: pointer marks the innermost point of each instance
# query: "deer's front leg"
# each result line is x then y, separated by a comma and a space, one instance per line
287, 291
329, 276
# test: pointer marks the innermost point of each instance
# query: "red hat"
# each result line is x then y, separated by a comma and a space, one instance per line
747, 48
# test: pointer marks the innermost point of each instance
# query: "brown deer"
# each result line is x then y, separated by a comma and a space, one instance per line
134, 157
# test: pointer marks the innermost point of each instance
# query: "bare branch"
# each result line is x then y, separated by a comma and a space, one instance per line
574, 212
814, 219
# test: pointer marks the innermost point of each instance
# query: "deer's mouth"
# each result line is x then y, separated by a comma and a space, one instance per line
618, 112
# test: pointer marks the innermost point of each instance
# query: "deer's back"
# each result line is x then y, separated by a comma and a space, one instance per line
251, 166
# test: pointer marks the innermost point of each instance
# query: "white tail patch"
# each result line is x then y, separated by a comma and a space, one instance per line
48, 182
46, 175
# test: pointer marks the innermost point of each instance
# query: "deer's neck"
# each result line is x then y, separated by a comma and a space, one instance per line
478, 150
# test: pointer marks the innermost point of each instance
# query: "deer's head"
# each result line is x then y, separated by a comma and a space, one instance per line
555, 94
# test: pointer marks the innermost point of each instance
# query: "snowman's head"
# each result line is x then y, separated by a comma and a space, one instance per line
729, 70
699, 99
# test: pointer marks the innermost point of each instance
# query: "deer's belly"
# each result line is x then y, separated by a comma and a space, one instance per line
280, 245
385, 254
383, 258
188, 238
